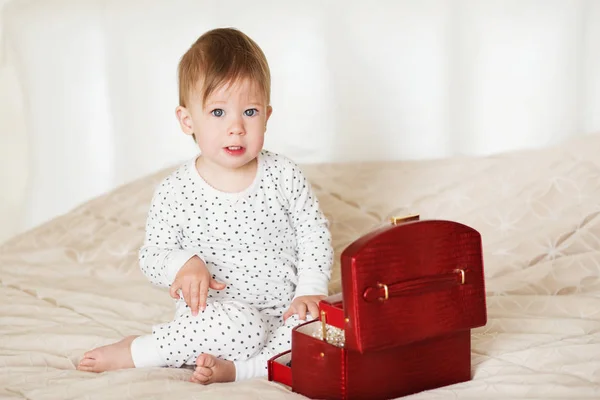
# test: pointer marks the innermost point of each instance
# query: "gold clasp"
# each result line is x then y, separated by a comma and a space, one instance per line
462, 275
385, 291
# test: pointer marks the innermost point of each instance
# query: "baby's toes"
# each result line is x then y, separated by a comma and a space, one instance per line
86, 364
202, 375
200, 360
203, 371
206, 360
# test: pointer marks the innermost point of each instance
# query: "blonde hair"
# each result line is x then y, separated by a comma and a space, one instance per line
222, 56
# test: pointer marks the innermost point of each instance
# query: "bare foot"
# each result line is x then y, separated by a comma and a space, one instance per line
210, 369
108, 358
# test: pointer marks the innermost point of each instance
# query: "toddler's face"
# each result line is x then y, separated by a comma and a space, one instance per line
230, 126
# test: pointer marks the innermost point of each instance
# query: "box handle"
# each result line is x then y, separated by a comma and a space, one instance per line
383, 292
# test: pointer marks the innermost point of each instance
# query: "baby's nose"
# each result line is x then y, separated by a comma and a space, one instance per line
237, 130
237, 127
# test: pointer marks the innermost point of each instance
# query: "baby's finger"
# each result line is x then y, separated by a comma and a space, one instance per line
175, 286
195, 296
301, 308
203, 293
313, 308
186, 295
290, 311
214, 284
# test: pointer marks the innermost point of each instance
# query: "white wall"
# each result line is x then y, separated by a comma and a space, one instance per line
13, 147
352, 80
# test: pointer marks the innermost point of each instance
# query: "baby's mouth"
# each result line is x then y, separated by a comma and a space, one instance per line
235, 150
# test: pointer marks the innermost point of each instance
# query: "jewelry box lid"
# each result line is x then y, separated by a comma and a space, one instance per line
410, 281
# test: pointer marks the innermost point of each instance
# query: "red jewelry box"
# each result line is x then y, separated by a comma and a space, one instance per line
411, 292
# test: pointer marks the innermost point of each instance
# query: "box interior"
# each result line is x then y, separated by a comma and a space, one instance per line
284, 358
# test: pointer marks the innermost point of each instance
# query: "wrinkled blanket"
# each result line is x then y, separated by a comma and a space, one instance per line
74, 282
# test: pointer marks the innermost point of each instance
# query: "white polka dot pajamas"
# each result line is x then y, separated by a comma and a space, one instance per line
268, 244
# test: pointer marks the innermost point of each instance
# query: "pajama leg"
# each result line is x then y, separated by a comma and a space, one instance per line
279, 340
226, 329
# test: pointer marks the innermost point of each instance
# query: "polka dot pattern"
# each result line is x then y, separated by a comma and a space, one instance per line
268, 244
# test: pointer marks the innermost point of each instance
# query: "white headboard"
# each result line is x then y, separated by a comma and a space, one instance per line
352, 80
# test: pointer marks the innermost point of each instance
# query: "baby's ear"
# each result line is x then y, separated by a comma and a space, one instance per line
269, 112
185, 120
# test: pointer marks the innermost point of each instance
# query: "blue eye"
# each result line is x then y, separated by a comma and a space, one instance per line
251, 112
217, 112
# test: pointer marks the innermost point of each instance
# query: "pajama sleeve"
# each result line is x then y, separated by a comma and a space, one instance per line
161, 255
315, 254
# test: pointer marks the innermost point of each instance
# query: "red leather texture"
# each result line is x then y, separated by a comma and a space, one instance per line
418, 261
320, 367
323, 371
334, 311
411, 293
278, 371
403, 370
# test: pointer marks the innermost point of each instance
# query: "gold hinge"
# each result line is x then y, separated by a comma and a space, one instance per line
407, 218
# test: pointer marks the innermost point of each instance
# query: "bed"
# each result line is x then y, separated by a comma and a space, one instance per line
73, 283
433, 127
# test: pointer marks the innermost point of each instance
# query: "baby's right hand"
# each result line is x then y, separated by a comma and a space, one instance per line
194, 280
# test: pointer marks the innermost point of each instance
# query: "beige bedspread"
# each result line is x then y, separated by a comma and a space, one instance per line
73, 284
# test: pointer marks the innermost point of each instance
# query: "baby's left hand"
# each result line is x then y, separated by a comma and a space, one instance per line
302, 304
